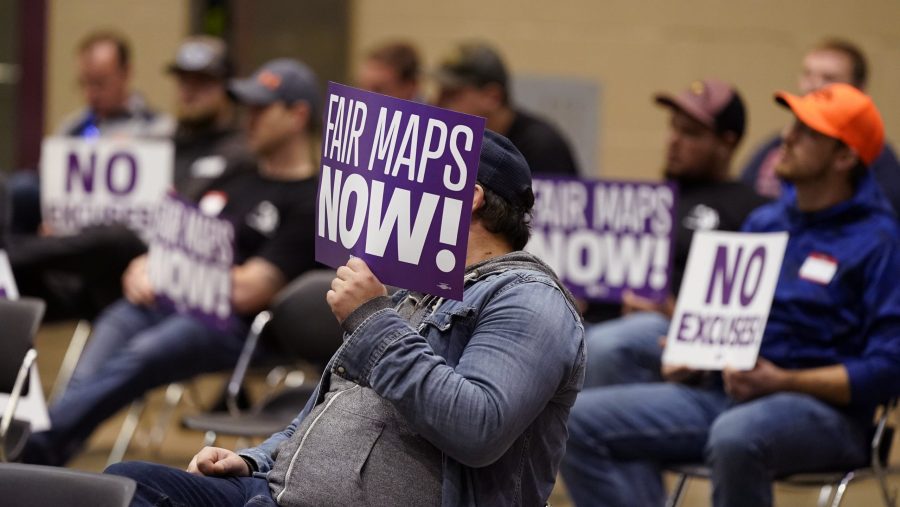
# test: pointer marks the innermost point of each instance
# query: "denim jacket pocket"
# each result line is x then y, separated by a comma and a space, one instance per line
443, 319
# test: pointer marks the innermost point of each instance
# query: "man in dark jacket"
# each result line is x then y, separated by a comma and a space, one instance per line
830, 351
473, 79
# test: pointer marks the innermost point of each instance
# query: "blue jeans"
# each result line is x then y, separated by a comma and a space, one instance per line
159, 486
619, 436
625, 350
132, 350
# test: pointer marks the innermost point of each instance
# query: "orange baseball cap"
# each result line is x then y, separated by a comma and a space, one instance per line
843, 112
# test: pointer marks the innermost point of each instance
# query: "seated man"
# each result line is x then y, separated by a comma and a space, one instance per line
707, 122
429, 401
136, 346
80, 275
830, 61
473, 79
830, 351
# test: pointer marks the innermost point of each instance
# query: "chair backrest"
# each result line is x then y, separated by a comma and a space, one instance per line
302, 324
19, 321
43, 485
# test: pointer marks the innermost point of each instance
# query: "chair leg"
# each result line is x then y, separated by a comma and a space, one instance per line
841, 489
677, 495
174, 394
887, 496
70, 360
209, 438
126, 433
826, 495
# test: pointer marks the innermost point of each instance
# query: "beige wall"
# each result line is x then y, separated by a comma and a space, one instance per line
154, 28
635, 47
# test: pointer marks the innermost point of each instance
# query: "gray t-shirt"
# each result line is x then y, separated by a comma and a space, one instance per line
354, 448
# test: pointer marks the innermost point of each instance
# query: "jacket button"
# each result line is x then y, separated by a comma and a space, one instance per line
340, 369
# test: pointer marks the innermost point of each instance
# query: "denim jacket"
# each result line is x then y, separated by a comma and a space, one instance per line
488, 380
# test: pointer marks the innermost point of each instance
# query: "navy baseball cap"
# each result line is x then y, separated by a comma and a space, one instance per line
281, 80
503, 170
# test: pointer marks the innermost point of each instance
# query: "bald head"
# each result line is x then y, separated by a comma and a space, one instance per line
103, 73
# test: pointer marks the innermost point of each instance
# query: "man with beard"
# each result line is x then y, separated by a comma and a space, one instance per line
830, 352
80, 275
705, 127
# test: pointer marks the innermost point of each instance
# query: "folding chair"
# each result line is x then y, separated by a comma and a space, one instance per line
832, 485
42, 485
301, 327
20, 319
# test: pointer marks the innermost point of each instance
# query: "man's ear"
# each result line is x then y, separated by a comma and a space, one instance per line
493, 95
845, 160
300, 111
478, 199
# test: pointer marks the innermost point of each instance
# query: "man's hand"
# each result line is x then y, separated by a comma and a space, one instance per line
354, 285
677, 373
218, 461
765, 378
631, 302
136, 283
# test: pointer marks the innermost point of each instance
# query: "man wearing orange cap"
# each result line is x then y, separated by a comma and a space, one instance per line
830, 353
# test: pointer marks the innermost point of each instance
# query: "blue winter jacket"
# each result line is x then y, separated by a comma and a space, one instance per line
852, 319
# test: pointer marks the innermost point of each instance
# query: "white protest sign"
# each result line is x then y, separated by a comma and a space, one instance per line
190, 260
103, 181
724, 303
8, 289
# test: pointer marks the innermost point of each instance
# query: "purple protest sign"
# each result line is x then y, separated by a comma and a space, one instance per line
396, 188
189, 262
605, 237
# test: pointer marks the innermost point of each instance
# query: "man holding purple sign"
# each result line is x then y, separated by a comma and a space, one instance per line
830, 351
136, 344
430, 401
707, 122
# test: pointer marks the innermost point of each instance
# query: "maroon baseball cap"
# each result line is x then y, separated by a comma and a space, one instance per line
712, 102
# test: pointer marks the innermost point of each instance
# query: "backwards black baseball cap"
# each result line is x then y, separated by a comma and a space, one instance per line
472, 63
202, 54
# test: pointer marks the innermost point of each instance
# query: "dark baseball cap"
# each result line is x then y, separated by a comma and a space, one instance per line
281, 80
202, 54
712, 102
472, 63
503, 170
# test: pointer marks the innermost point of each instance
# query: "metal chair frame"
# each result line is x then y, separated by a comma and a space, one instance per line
832, 486
35, 308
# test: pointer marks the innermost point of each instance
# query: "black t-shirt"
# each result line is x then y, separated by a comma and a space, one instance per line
273, 219
202, 156
543, 147
706, 206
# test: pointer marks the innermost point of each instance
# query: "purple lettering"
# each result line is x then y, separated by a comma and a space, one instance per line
86, 173
758, 255
130, 164
721, 270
